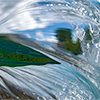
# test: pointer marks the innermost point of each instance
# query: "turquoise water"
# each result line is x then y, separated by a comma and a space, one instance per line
40, 21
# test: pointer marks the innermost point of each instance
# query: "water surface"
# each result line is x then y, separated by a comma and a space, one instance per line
68, 33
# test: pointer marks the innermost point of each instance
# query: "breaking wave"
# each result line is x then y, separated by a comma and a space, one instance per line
39, 20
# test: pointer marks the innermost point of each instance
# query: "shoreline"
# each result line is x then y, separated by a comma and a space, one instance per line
18, 38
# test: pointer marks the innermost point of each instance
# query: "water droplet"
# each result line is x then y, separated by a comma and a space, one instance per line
59, 4
64, 88
47, 4
51, 5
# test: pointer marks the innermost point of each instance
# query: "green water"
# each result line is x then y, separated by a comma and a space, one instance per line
13, 54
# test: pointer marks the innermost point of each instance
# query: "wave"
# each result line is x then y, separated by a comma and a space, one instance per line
39, 20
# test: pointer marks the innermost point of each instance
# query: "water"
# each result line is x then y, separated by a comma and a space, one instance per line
78, 75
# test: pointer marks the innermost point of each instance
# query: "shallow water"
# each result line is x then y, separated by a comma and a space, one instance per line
44, 22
